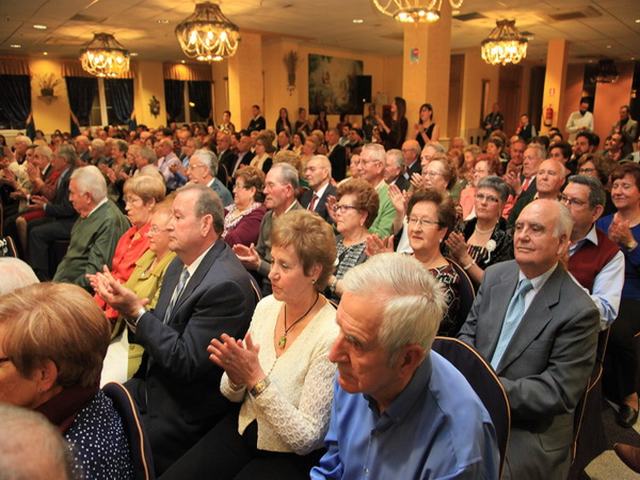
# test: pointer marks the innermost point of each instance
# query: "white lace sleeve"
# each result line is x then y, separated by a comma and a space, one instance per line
303, 428
226, 388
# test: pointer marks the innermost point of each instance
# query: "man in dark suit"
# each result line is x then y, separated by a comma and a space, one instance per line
318, 176
411, 155
205, 292
525, 188
337, 154
258, 122
394, 170
538, 328
244, 155
226, 157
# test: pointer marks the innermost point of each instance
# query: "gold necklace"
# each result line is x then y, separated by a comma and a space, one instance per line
479, 230
282, 343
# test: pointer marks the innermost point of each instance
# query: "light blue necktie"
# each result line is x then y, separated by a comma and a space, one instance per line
512, 319
182, 282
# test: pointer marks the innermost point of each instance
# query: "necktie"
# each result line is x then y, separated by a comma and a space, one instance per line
312, 203
512, 319
182, 282
526, 183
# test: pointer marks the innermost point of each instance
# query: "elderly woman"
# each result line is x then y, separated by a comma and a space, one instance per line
484, 239
355, 209
141, 193
243, 217
53, 339
483, 167
431, 216
262, 159
620, 380
280, 372
437, 173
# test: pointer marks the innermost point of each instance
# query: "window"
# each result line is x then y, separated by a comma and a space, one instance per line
187, 101
101, 111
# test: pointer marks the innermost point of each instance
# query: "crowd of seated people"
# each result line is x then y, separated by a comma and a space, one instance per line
217, 257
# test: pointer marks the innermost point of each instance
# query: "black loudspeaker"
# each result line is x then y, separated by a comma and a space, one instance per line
363, 88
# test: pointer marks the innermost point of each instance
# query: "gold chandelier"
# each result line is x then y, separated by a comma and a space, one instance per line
504, 44
414, 11
104, 56
207, 35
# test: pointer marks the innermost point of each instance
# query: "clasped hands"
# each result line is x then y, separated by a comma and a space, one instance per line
115, 294
238, 358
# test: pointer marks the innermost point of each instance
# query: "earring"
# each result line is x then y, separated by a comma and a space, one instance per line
313, 281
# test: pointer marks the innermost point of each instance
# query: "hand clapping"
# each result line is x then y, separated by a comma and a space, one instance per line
238, 359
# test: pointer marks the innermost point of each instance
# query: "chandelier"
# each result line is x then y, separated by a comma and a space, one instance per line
504, 44
414, 11
207, 35
104, 56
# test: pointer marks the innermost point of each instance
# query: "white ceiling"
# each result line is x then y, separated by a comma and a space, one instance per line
610, 29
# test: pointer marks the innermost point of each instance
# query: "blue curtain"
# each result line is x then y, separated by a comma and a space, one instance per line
200, 94
81, 91
15, 99
174, 98
119, 93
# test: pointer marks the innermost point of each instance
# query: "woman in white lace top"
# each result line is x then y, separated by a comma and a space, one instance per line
280, 372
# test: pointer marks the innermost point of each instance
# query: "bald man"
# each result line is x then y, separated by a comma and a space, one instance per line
411, 154
318, 176
550, 178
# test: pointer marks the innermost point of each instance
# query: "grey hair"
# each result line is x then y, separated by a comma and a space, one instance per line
148, 154
90, 180
98, 143
324, 162
540, 150
497, 184
397, 157
436, 146
22, 139
69, 154
288, 174
413, 300
121, 145
375, 151
209, 159
15, 274
208, 203
44, 150
25, 431
597, 195
564, 223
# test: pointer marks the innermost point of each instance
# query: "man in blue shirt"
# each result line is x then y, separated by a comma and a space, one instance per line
400, 410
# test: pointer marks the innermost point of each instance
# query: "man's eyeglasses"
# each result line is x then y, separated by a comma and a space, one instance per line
586, 170
342, 208
422, 222
572, 201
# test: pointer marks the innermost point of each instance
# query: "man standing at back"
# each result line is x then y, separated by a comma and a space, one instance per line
205, 293
538, 328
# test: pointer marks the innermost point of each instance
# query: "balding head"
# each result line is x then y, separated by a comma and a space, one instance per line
550, 178
410, 151
318, 172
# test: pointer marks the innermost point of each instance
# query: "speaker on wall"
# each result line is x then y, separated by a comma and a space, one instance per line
363, 88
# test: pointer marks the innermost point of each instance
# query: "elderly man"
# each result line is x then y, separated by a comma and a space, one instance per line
373, 163
538, 328
95, 233
226, 157
399, 409
516, 151
99, 152
280, 188
337, 154
205, 293
394, 170
202, 170
318, 176
243, 153
166, 160
411, 155
550, 178
526, 189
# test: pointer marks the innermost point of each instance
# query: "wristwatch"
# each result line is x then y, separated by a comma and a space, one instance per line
259, 387
631, 245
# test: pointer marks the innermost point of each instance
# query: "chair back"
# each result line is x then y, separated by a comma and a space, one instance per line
466, 291
484, 382
141, 456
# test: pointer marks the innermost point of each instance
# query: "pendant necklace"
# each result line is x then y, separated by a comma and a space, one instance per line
282, 343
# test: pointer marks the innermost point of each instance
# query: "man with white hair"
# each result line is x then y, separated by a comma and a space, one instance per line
373, 163
166, 160
318, 176
538, 328
95, 233
202, 170
82, 145
399, 409
394, 170
526, 189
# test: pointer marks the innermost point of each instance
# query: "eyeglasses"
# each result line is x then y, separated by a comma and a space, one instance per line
432, 174
156, 229
422, 222
572, 201
426, 158
481, 197
238, 186
4, 359
342, 208
586, 170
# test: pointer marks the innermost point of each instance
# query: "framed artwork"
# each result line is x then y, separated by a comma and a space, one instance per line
332, 85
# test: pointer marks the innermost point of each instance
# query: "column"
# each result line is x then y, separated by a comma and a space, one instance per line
426, 64
554, 83
246, 86
148, 83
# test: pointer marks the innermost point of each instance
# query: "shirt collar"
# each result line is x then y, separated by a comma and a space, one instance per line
321, 190
100, 203
539, 281
196, 263
592, 237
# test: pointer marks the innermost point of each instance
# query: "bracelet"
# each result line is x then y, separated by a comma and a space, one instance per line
631, 246
259, 387
469, 265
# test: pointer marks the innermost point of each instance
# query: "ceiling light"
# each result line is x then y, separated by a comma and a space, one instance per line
608, 46
207, 35
45, 53
163, 21
15, 45
358, 20
133, 54
504, 44
104, 56
637, 20
39, 26
182, 62
414, 11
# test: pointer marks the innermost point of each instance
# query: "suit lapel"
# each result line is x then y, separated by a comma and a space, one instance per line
535, 319
499, 296
169, 283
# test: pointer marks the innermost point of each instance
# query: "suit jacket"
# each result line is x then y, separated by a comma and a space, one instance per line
402, 183
226, 160
338, 159
416, 167
257, 123
177, 386
523, 200
61, 207
545, 367
321, 205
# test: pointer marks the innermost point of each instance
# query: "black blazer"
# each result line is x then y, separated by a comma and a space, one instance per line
258, 123
177, 386
61, 207
321, 205
402, 183
338, 159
